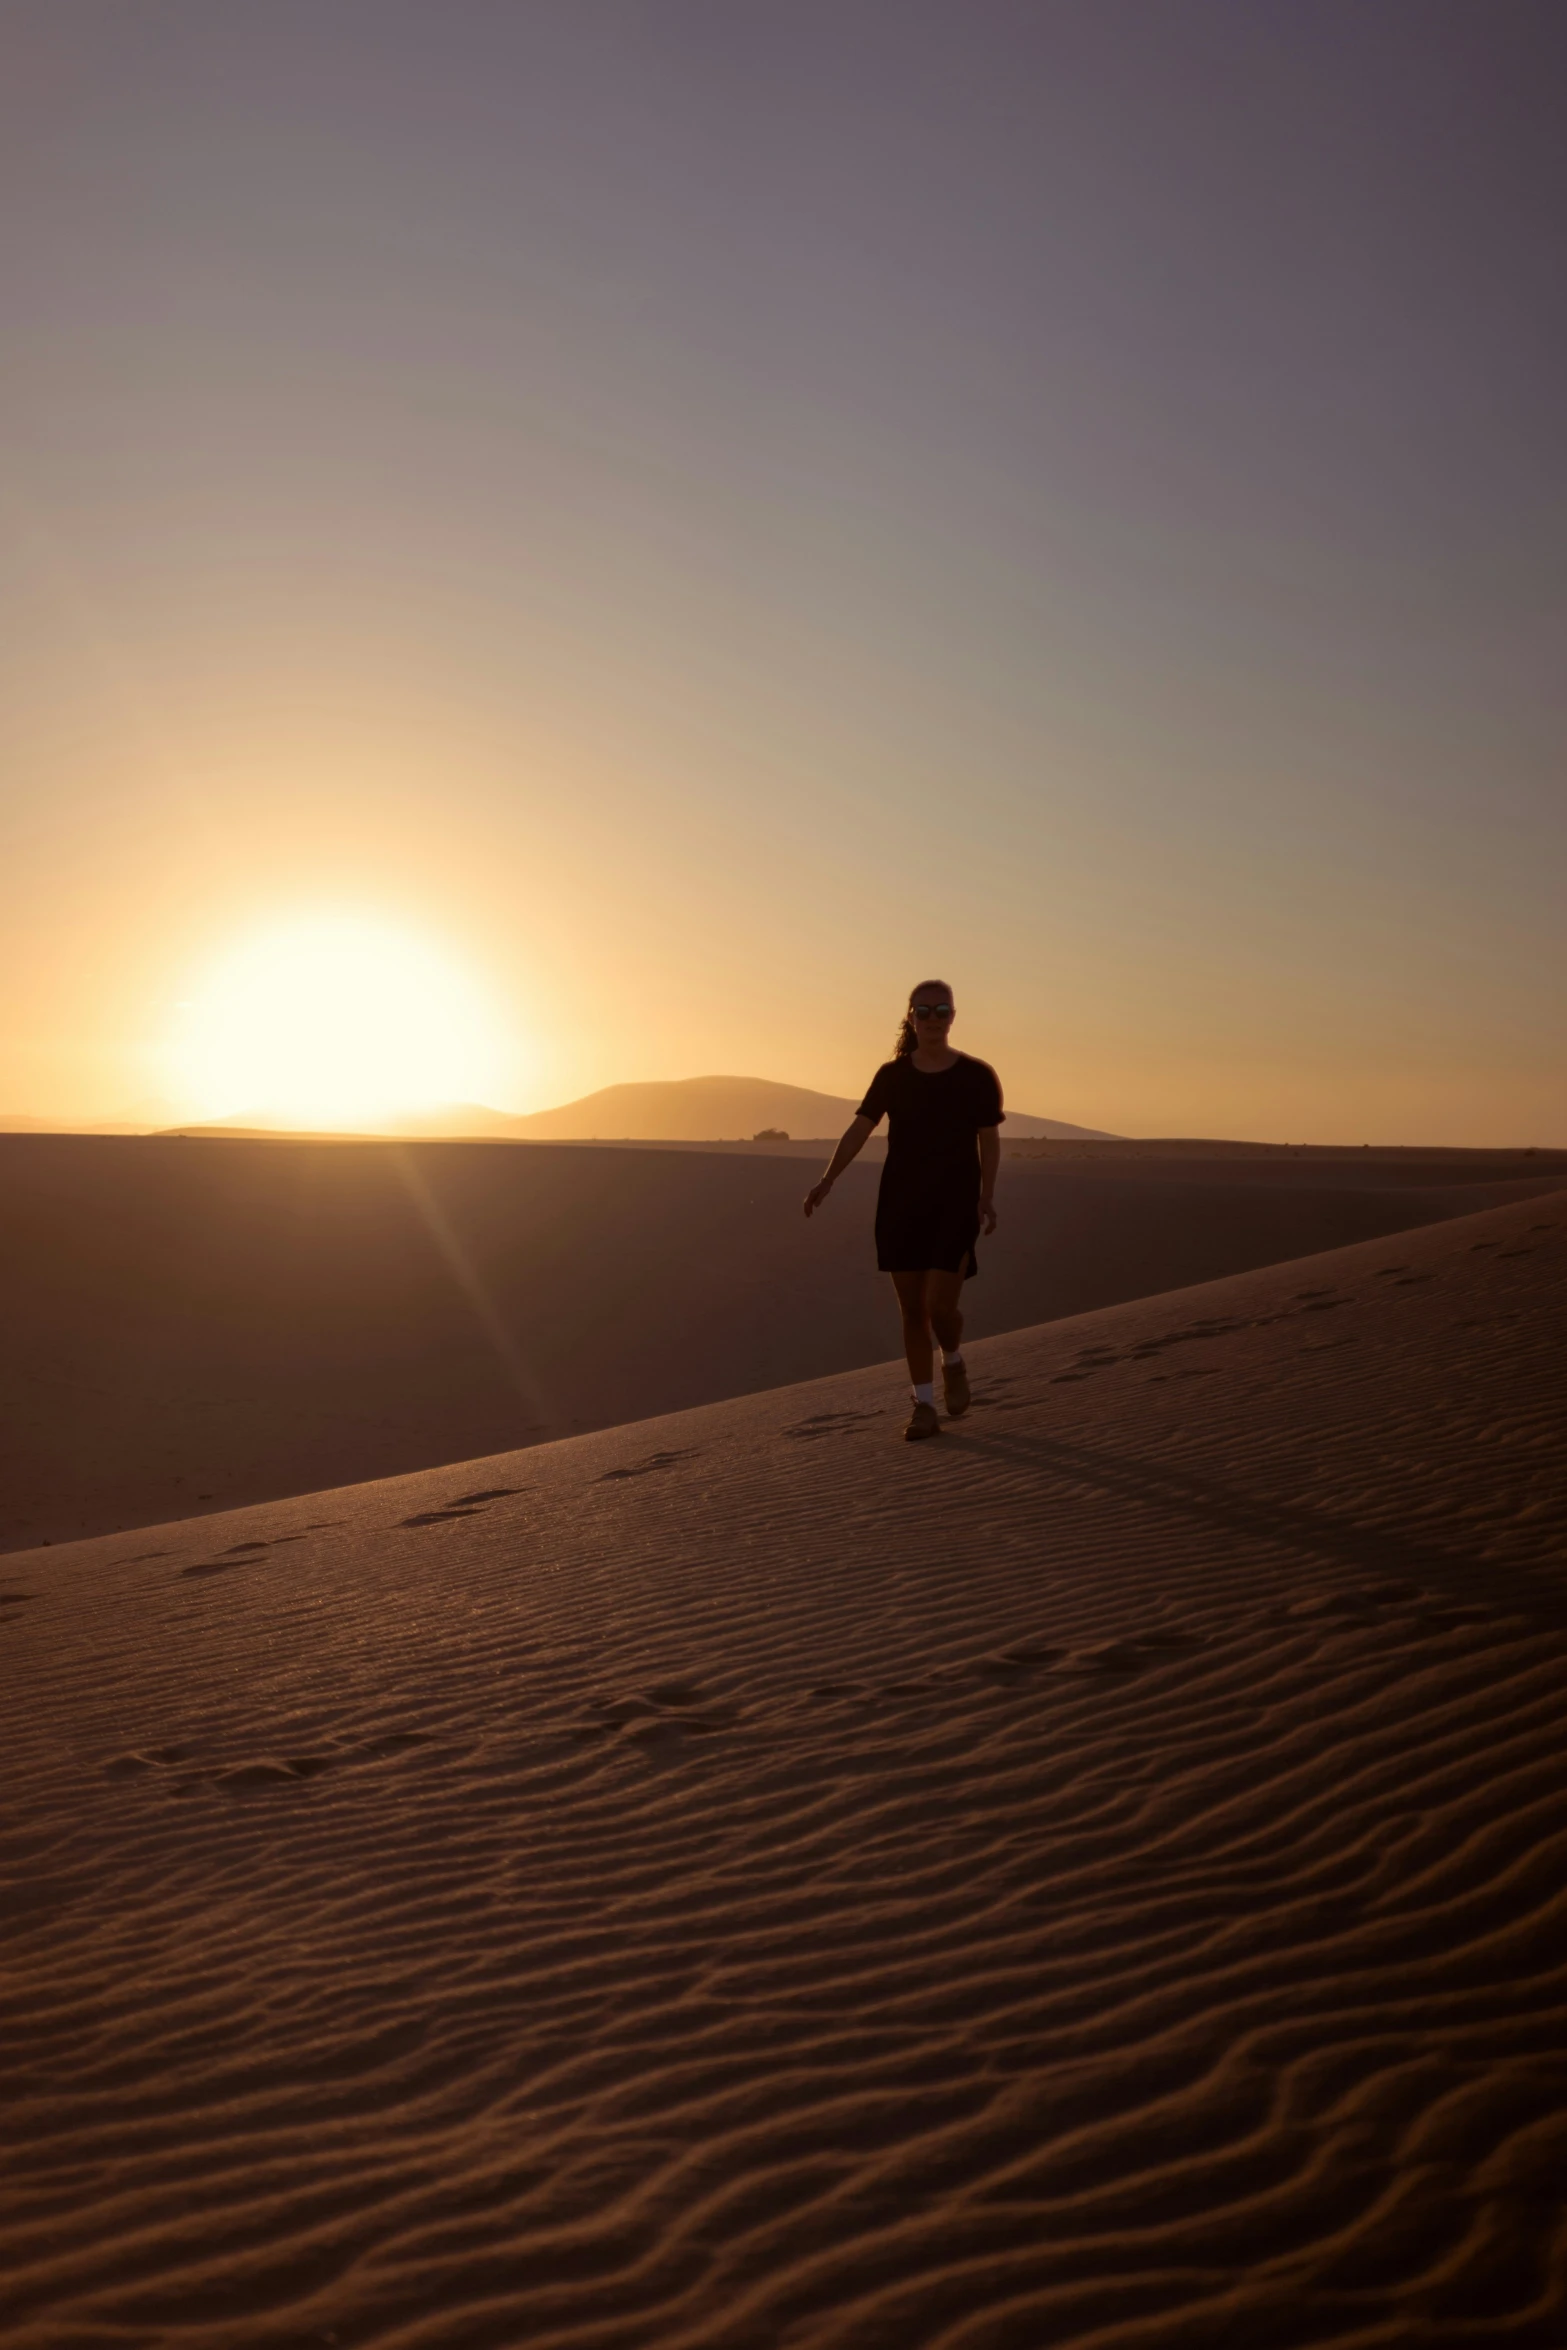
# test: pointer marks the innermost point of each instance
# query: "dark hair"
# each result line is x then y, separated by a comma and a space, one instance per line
907, 1039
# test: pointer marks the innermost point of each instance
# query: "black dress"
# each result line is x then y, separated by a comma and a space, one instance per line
927, 1211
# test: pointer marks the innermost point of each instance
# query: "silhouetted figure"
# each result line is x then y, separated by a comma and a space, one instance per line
944, 1113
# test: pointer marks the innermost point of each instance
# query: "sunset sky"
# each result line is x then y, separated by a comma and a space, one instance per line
673, 521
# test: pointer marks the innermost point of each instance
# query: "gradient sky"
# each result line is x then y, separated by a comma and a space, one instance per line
705, 511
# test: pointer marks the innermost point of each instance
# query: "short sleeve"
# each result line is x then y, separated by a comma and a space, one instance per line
987, 1096
877, 1095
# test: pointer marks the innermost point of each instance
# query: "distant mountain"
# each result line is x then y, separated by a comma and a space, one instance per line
718, 1109
684, 1109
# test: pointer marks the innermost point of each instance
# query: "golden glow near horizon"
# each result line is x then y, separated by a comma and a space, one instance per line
334, 1020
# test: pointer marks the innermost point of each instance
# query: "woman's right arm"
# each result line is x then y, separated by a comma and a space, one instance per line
852, 1141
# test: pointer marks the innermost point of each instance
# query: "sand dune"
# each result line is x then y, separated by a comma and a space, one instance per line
740, 1881
193, 1325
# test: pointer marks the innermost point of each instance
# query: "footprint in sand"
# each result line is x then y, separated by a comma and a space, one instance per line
291, 1769
830, 1423
436, 1517
241, 1778
136, 1764
1329, 1603
655, 1460
682, 1693
239, 1554
267, 1770
471, 1501
1025, 1660
1107, 1656
659, 1717
1011, 1665
16, 1598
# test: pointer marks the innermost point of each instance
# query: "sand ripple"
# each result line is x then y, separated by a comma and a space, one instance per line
740, 1881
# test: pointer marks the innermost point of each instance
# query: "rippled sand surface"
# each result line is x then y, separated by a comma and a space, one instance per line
742, 1881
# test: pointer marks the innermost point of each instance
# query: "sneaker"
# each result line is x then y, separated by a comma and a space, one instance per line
954, 1381
922, 1423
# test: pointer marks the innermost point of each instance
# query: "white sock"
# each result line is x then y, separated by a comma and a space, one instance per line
953, 1354
925, 1392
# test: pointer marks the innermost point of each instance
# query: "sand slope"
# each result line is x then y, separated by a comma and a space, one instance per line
201, 1324
741, 1881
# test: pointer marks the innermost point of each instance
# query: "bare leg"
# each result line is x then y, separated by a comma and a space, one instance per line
942, 1291
916, 1324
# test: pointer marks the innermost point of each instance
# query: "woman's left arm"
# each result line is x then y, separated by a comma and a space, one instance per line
989, 1163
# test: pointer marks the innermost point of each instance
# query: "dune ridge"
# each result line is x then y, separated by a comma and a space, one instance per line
740, 1881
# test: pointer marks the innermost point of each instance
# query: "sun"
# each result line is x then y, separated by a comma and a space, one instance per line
335, 1021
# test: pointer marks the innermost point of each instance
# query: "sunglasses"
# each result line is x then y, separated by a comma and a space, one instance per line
931, 1011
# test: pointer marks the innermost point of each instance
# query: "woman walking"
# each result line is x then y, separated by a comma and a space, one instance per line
943, 1112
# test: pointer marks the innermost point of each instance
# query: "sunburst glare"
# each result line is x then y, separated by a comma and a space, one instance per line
335, 1020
